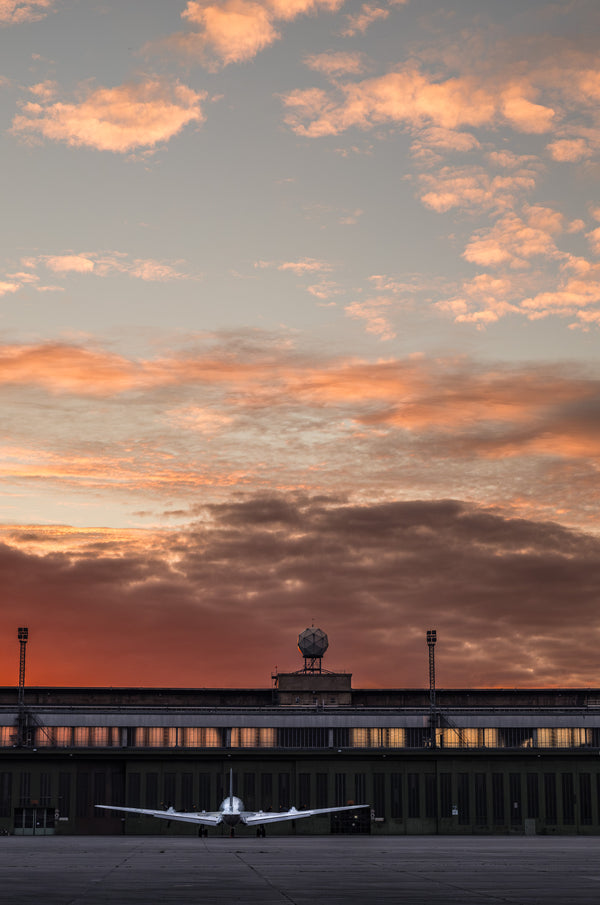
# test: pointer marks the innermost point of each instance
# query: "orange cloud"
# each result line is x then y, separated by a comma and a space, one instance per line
572, 150
62, 368
15, 12
473, 187
235, 31
416, 98
413, 395
359, 22
304, 265
104, 264
67, 263
515, 241
247, 414
336, 64
405, 96
6, 287
122, 119
373, 312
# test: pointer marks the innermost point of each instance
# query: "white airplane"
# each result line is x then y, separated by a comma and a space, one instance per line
231, 812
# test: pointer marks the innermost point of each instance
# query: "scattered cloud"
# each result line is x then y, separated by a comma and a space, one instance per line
69, 263
16, 12
325, 289
337, 63
301, 267
474, 188
135, 115
373, 311
415, 98
7, 287
572, 150
515, 241
104, 264
360, 21
235, 31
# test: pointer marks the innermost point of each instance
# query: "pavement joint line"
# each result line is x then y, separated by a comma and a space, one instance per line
265, 879
444, 884
83, 895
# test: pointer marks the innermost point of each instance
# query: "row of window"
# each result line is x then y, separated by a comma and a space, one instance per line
492, 799
298, 737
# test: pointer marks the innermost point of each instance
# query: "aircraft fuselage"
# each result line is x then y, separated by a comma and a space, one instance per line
231, 810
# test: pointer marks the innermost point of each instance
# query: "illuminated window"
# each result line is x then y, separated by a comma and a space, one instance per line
564, 737
81, 736
254, 737
244, 738
7, 736
377, 738
155, 737
359, 738
200, 737
99, 737
63, 736
44, 737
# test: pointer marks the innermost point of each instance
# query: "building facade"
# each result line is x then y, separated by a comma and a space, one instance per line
478, 761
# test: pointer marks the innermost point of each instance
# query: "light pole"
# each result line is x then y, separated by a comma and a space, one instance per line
431, 640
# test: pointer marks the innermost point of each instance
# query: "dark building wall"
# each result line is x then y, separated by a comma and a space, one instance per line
411, 792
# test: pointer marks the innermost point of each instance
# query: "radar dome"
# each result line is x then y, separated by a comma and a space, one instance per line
312, 643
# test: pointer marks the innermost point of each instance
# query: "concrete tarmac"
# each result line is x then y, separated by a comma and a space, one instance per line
352, 870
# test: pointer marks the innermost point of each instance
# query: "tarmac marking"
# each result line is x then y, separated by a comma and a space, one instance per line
265, 879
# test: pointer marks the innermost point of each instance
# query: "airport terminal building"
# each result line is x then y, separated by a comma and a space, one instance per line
493, 761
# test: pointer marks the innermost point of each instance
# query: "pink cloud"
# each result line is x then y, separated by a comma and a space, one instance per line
122, 119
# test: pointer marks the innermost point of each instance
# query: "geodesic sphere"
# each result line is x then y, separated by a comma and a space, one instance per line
312, 642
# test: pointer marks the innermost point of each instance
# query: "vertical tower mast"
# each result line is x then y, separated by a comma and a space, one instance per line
431, 640
22, 729
22, 634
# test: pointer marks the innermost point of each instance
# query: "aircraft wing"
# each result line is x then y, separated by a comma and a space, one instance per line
206, 818
257, 817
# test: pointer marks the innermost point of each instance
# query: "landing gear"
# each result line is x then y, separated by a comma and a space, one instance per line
261, 832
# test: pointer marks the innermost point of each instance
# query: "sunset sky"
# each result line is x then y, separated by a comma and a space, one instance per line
300, 319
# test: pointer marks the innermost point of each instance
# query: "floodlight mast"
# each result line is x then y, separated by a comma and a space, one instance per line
431, 641
22, 635
22, 729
